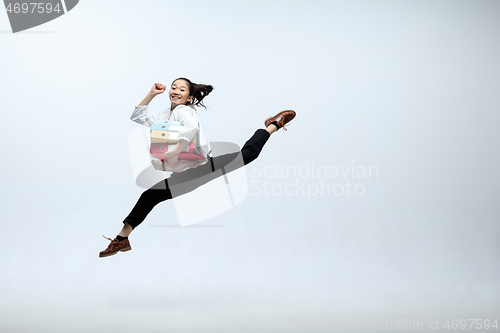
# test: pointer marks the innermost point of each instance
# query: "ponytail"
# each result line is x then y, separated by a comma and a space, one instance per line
198, 91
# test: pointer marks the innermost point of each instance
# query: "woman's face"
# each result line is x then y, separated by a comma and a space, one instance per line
179, 92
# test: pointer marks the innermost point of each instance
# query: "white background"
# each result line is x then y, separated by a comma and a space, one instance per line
411, 87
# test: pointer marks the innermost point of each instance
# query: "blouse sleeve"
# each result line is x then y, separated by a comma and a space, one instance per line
190, 125
141, 115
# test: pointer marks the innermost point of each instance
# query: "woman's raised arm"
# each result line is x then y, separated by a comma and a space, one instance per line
157, 89
140, 114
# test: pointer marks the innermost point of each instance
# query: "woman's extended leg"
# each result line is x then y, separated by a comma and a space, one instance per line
147, 201
252, 148
149, 198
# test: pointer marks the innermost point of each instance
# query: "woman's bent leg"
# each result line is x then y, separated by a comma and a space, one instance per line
147, 201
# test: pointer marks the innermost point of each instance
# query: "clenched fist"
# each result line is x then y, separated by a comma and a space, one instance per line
158, 88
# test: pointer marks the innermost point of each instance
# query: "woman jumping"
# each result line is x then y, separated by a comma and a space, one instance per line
184, 95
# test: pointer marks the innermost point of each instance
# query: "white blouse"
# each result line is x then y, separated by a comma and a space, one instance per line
188, 117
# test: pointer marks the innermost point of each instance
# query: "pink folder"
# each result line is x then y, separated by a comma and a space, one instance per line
190, 152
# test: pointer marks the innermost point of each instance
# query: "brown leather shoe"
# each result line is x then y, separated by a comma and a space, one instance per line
115, 246
281, 118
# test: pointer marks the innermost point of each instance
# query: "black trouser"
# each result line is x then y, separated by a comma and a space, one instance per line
190, 179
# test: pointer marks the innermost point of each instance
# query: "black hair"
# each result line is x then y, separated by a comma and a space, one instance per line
198, 91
